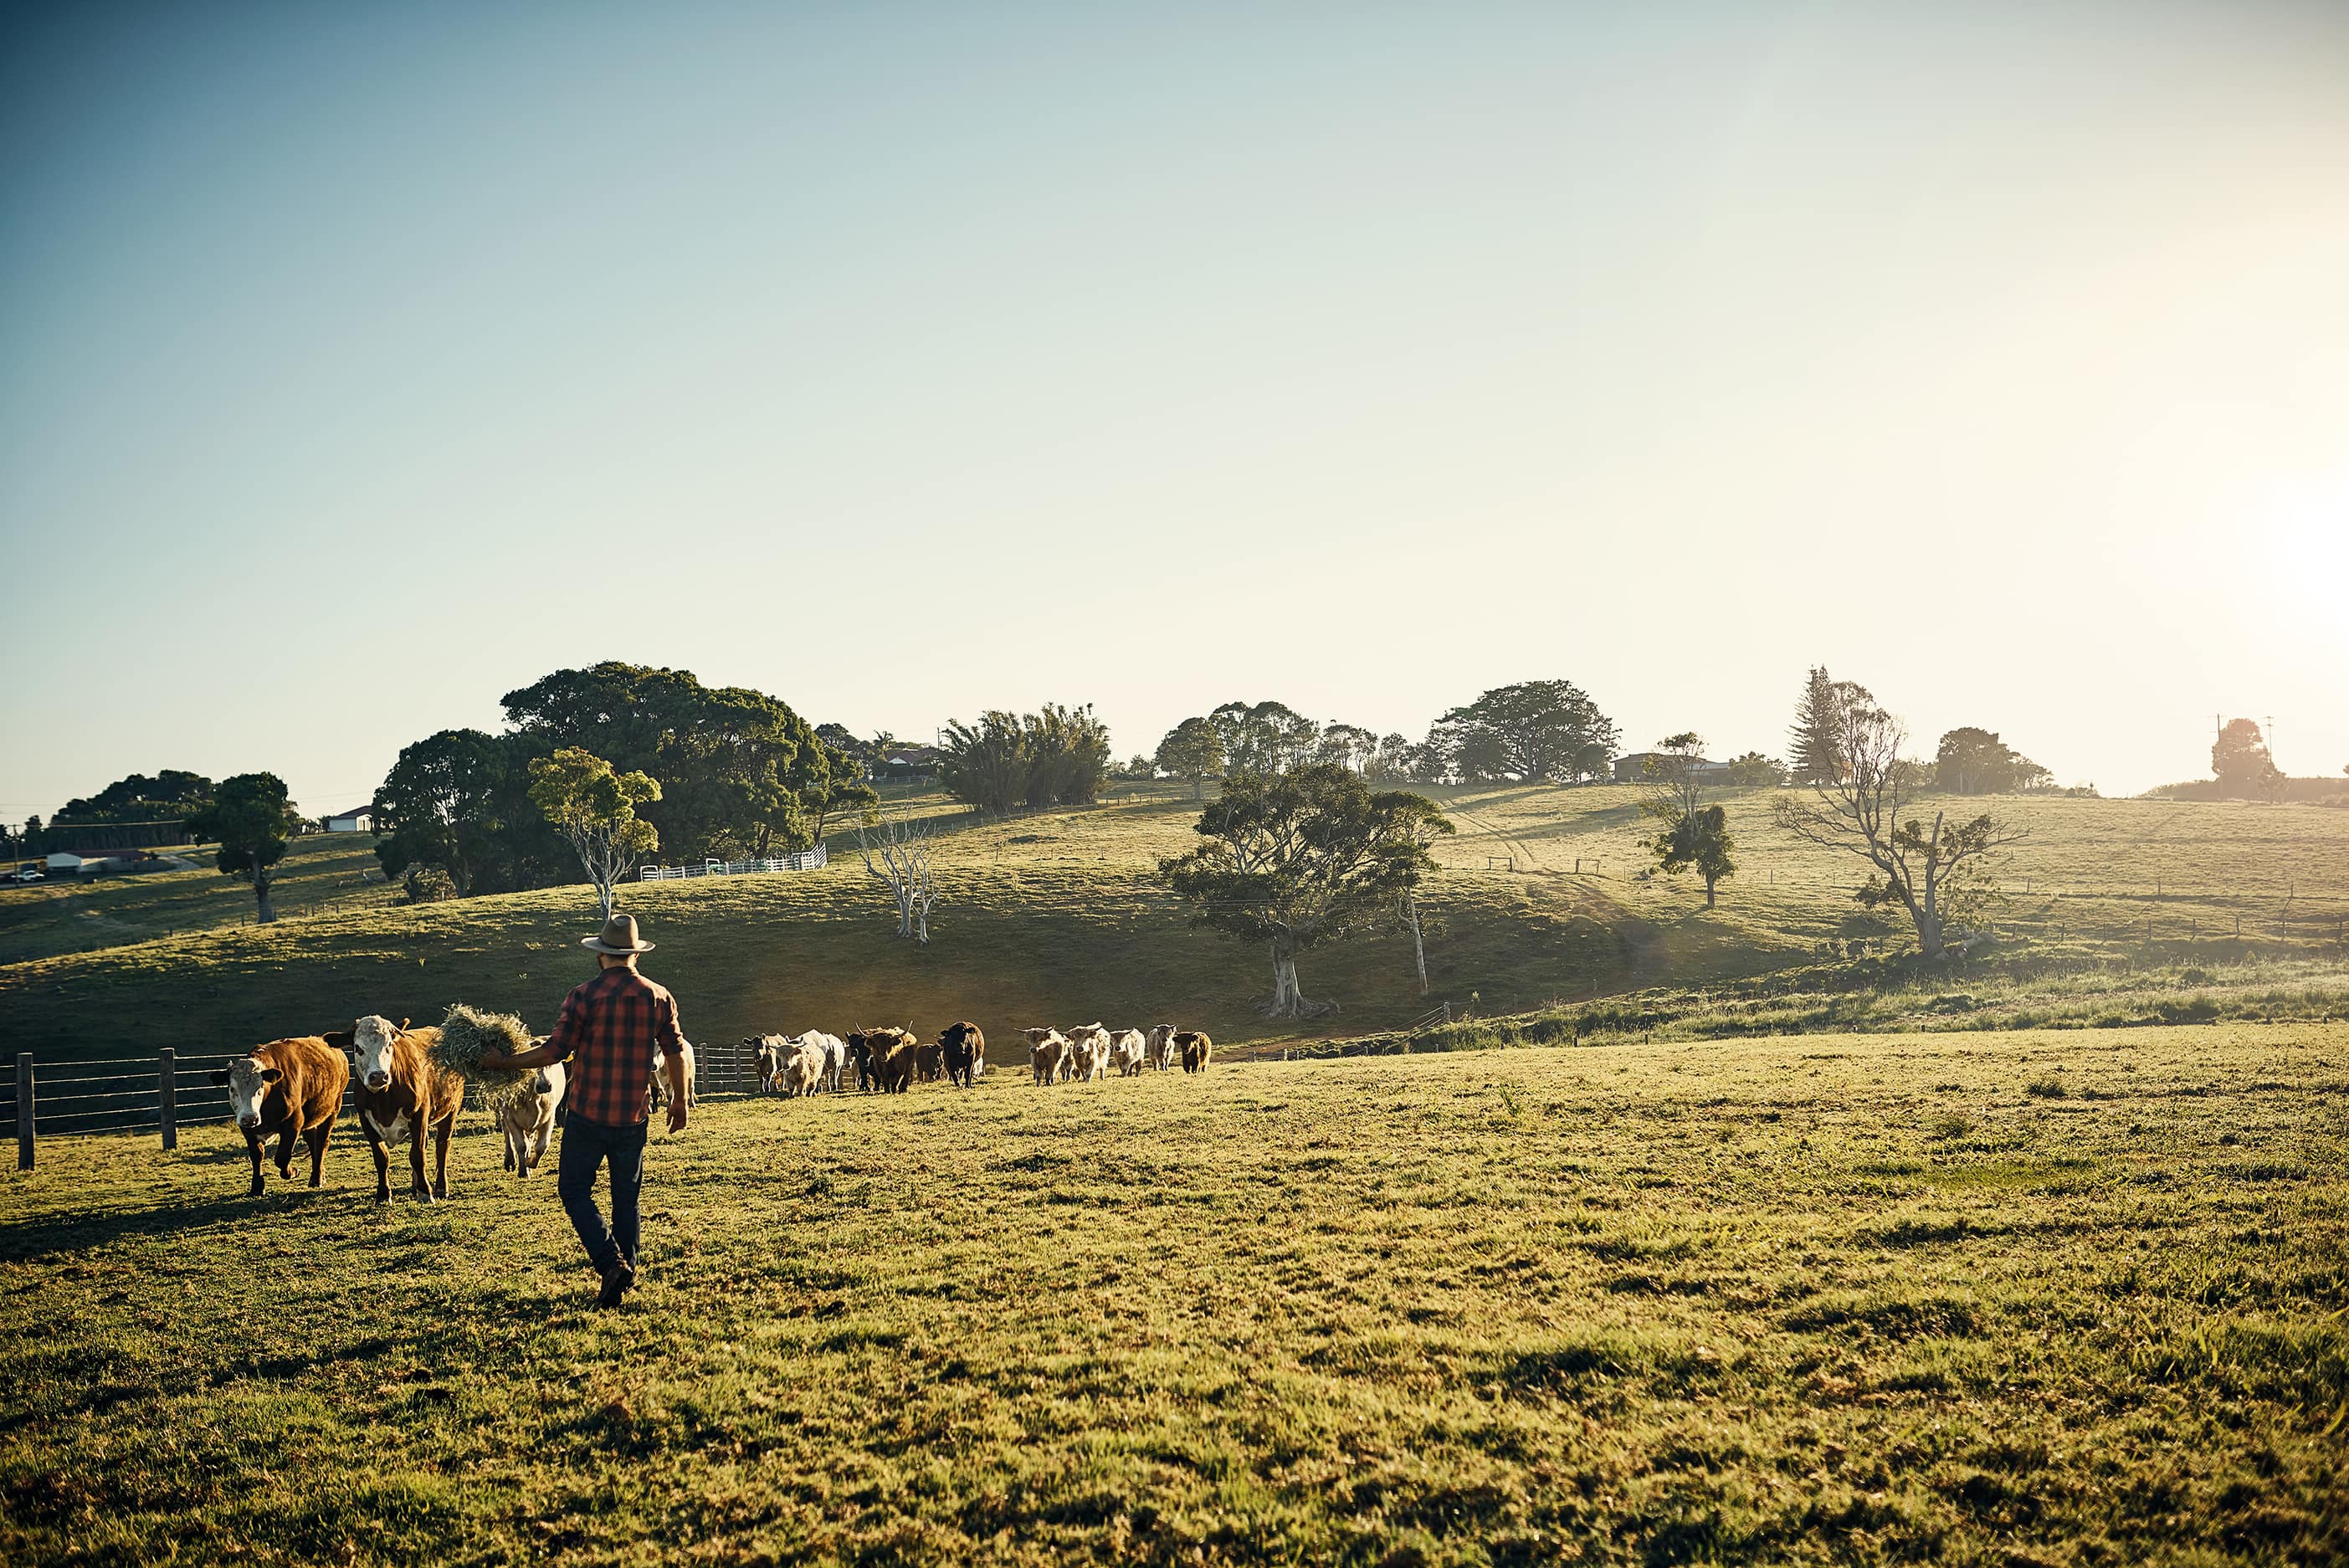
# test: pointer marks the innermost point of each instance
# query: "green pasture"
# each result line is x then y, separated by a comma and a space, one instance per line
1977, 1299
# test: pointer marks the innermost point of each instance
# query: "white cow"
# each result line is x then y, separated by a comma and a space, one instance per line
1129, 1050
1164, 1053
1091, 1043
835, 1053
804, 1062
1049, 1054
527, 1117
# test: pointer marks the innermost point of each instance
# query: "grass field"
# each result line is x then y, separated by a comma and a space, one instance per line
1983, 1298
1052, 918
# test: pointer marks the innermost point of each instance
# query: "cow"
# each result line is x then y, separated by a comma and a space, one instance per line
1049, 1054
286, 1089
929, 1059
888, 1058
804, 1062
402, 1095
1164, 1054
656, 1086
527, 1117
1128, 1050
767, 1061
1091, 1042
966, 1051
1195, 1048
832, 1053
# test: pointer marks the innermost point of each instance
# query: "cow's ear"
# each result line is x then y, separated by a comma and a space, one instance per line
271, 1075
342, 1040
220, 1077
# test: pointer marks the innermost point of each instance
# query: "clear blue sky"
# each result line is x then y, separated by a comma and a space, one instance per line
358, 364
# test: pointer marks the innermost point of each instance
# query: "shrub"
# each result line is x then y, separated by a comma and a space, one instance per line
2046, 1088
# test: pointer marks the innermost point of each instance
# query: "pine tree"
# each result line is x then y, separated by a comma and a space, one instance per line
1816, 738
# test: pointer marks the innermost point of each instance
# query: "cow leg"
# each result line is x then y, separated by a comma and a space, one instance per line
507, 1131
382, 1163
253, 1149
417, 1130
538, 1154
286, 1152
316, 1138
441, 1136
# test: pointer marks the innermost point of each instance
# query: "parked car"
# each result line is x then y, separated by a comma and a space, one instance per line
27, 874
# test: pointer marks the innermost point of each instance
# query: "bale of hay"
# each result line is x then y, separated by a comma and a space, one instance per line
467, 1035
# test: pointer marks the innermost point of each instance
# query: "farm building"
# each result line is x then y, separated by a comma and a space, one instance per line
908, 762
357, 820
1633, 769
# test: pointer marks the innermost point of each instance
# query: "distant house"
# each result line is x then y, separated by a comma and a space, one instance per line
1633, 769
900, 763
357, 820
66, 863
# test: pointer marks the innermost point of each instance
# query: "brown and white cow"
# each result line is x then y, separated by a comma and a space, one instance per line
767, 1051
286, 1089
526, 1117
1128, 1051
804, 1061
1049, 1054
1164, 1053
1195, 1048
399, 1097
966, 1051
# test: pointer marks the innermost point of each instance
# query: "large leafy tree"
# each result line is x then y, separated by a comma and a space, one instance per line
985, 763
442, 804
1192, 751
251, 819
841, 788
1264, 738
171, 795
1057, 756
1298, 859
1933, 873
2239, 758
593, 806
1970, 762
1533, 732
735, 766
1690, 835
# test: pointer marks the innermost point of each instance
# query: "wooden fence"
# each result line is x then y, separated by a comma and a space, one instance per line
162, 1094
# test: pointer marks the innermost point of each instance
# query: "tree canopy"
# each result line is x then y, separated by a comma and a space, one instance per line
1192, 751
443, 805
1970, 762
1532, 732
2240, 760
593, 806
1817, 743
171, 795
1690, 835
1297, 859
1056, 757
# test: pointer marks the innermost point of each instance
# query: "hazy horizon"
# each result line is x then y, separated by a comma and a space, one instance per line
358, 367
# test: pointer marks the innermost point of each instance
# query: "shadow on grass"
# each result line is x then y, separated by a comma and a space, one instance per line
39, 1240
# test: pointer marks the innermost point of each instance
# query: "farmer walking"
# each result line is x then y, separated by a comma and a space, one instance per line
613, 1028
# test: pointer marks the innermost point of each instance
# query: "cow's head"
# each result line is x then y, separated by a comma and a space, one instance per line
548, 1080
247, 1079
372, 1039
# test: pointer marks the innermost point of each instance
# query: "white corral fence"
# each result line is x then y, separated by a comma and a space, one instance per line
803, 860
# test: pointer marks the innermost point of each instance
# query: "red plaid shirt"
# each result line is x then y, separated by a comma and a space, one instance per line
610, 1030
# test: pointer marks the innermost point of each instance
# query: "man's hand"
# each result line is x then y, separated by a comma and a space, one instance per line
499, 1062
677, 1115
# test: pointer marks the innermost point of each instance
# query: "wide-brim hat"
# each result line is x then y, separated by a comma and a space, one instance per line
619, 935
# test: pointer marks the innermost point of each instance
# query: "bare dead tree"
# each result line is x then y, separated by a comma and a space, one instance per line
903, 851
1933, 873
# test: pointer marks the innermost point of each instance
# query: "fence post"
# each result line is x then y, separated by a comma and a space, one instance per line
171, 1107
23, 1110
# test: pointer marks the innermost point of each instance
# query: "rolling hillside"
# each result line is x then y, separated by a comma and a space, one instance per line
1053, 917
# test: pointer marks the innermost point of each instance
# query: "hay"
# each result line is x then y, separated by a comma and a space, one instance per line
467, 1035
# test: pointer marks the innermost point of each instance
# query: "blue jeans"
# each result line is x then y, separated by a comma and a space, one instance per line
585, 1146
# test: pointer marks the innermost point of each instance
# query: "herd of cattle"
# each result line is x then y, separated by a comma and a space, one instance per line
892, 1060
292, 1089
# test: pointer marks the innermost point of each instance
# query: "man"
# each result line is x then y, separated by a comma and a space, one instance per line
615, 1025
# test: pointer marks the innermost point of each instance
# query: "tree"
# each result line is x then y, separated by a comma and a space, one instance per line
1391, 762
595, 807
1755, 771
2241, 759
1533, 732
1970, 762
1295, 860
251, 819
905, 850
1933, 873
985, 763
1265, 738
172, 794
1192, 751
1817, 757
32, 837
1690, 835
439, 807
1055, 757
841, 788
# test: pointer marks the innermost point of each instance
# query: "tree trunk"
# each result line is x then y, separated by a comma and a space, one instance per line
606, 896
1288, 1000
260, 880
1418, 940
1708, 893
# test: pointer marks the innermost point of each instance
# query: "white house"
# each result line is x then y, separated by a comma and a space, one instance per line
66, 863
357, 820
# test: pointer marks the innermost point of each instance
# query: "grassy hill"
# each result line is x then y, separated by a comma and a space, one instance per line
1980, 1299
1051, 917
